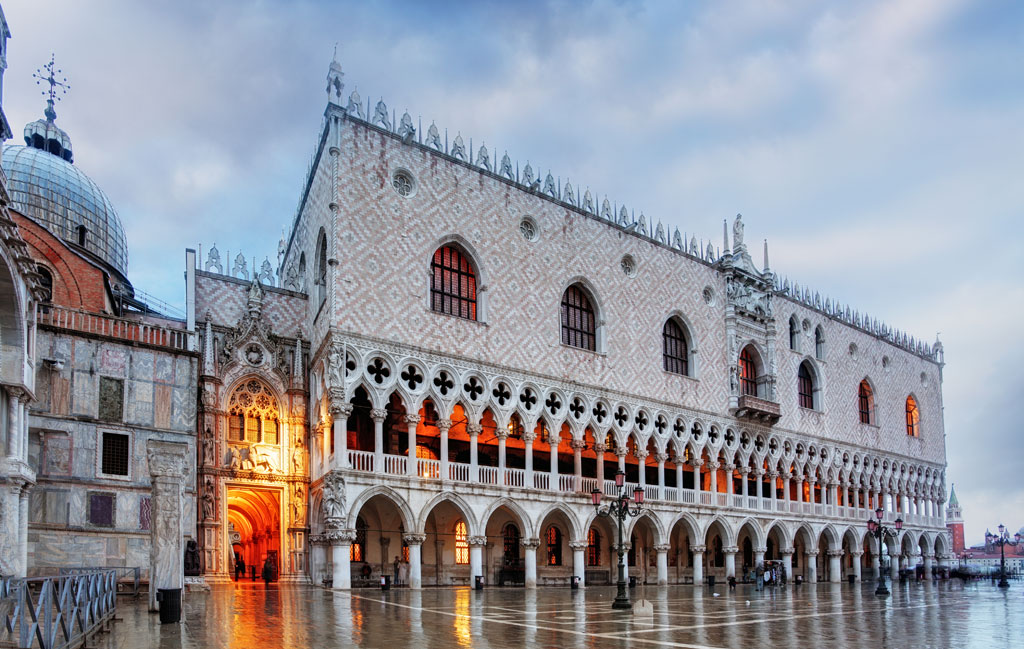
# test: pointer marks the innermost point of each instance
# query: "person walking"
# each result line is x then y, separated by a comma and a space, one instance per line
239, 567
396, 567
268, 571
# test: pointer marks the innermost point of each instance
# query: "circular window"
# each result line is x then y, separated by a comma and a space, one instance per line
528, 229
709, 296
628, 265
403, 183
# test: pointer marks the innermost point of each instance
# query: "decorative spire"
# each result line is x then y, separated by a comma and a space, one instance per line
58, 87
43, 134
766, 267
725, 236
334, 80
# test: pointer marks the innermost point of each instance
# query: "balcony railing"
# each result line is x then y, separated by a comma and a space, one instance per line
131, 331
364, 462
763, 410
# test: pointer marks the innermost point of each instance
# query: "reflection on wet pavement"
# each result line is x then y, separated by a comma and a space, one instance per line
251, 616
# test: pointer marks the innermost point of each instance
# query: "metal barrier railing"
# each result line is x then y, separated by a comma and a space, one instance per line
128, 578
56, 612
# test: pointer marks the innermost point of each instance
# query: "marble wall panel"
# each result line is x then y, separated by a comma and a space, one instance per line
85, 393
140, 403
142, 365
162, 406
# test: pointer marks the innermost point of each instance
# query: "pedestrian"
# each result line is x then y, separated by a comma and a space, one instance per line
268, 571
395, 567
239, 567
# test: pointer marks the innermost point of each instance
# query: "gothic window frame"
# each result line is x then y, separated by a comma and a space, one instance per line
677, 353
510, 542
461, 548
257, 403
794, 334
806, 386
913, 416
455, 285
593, 547
357, 551
819, 343
866, 402
748, 373
321, 269
579, 317
553, 539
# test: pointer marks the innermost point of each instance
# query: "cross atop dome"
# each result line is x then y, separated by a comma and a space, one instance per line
57, 87
43, 134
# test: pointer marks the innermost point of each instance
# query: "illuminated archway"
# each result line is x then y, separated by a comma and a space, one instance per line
255, 516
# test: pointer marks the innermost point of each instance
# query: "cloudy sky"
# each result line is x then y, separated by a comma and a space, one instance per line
876, 145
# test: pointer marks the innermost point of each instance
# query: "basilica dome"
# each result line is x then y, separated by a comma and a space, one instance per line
45, 187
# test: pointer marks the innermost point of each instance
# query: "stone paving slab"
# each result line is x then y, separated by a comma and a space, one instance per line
252, 616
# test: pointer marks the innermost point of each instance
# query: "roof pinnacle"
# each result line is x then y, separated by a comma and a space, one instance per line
57, 87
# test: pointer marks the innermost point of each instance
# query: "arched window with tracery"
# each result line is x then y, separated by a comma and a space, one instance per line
593, 547
461, 543
748, 373
253, 414
357, 551
321, 268
554, 539
794, 334
913, 418
805, 386
579, 323
510, 545
866, 403
452, 283
675, 351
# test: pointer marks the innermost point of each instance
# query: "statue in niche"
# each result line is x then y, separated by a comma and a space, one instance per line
209, 447
209, 505
334, 496
192, 568
298, 505
737, 232
335, 367
297, 457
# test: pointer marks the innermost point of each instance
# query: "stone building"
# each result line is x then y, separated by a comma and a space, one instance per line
100, 387
481, 348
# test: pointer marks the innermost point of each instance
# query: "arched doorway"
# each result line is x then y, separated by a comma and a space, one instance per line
254, 520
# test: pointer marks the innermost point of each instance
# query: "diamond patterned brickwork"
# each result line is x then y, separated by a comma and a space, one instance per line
225, 299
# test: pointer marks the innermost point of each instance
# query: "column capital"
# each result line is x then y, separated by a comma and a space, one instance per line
811, 553
731, 467
478, 541
414, 539
412, 419
661, 458
530, 544
698, 549
339, 409
501, 433
836, 553
577, 444
444, 425
856, 554
784, 551
662, 548
474, 429
578, 545
340, 537
761, 549
554, 439
713, 466
640, 454
773, 475
166, 459
697, 463
929, 557
599, 448
744, 470
529, 436
620, 451
730, 549
378, 414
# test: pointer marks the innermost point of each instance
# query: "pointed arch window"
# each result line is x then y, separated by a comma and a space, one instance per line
461, 543
819, 343
865, 403
805, 386
579, 324
321, 268
794, 334
554, 539
253, 414
452, 283
913, 418
748, 373
510, 545
675, 350
593, 547
357, 551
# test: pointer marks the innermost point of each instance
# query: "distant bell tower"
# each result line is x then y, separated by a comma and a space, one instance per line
955, 521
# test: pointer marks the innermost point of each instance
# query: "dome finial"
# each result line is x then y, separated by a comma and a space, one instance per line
57, 87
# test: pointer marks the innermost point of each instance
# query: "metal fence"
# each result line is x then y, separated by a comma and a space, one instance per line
127, 577
56, 612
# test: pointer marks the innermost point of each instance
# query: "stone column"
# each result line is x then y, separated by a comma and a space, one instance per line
876, 565
621, 454
378, 415
730, 560
474, 430
698, 563
599, 450
341, 547
713, 476
579, 560
167, 551
415, 543
811, 561
929, 566
894, 566
745, 475
730, 484
786, 476
856, 555
679, 479
787, 563
577, 446
641, 464
528, 437
553, 441
662, 559
502, 435
759, 555
661, 458
811, 481
835, 566
412, 421
12, 433
476, 564
23, 531
443, 426
339, 435
697, 464
772, 496
530, 562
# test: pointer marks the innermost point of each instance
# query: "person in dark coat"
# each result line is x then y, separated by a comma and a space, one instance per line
268, 571
239, 567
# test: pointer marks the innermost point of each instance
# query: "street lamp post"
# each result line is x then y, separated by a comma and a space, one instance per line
880, 531
1002, 539
620, 510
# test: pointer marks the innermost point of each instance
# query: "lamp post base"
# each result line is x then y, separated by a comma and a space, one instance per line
622, 603
882, 591
1003, 583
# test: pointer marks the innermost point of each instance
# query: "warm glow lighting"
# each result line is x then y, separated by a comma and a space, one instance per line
620, 478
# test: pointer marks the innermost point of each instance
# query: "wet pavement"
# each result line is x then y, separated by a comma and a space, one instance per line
251, 616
